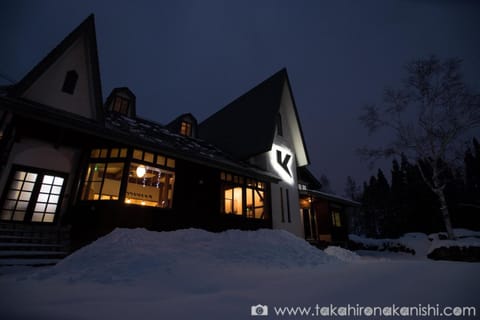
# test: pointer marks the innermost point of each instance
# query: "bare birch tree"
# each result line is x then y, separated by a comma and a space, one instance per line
431, 116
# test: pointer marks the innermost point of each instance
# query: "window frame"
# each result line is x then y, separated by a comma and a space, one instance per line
279, 124
336, 216
35, 192
186, 128
132, 156
123, 106
229, 181
170, 186
70, 82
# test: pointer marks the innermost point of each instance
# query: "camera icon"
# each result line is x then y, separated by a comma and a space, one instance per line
259, 310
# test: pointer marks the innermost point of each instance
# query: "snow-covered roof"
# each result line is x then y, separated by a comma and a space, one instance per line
135, 132
156, 136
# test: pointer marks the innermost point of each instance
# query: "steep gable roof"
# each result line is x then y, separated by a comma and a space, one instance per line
246, 126
84, 32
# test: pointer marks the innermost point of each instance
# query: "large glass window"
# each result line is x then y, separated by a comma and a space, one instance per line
47, 200
149, 186
242, 196
102, 181
32, 196
255, 203
233, 197
150, 179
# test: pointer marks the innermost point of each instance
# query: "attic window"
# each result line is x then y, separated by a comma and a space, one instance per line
278, 120
186, 129
70, 82
121, 105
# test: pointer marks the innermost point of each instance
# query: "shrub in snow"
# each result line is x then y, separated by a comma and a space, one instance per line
361, 243
463, 249
456, 253
434, 246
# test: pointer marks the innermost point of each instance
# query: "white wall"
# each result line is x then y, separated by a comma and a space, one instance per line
47, 89
39, 154
288, 143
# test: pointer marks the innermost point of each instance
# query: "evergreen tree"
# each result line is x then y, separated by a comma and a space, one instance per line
352, 191
369, 207
325, 182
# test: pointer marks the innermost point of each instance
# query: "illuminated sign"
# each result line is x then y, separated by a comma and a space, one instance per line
281, 159
283, 162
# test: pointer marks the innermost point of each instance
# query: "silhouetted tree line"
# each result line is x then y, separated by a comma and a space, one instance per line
407, 204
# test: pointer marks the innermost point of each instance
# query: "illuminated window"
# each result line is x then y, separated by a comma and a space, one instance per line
138, 154
161, 160
186, 129
170, 163
102, 181
336, 221
233, 200
148, 157
244, 197
121, 105
70, 82
150, 186
33, 196
255, 203
109, 153
47, 200
150, 180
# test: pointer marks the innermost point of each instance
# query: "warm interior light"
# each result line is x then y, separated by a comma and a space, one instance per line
141, 171
128, 201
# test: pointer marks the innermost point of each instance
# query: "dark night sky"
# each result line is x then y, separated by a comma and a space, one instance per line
197, 56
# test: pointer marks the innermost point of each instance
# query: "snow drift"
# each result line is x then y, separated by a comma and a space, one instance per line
191, 274
342, 254
127, 254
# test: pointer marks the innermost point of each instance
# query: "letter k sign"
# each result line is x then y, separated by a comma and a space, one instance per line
283, 162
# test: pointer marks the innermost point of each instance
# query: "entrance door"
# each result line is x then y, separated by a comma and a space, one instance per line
32, 196
309, 224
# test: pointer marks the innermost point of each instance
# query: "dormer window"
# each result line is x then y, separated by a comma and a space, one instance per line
185, 125
70, 82
121, 105
186, 129
122, 101
278, 121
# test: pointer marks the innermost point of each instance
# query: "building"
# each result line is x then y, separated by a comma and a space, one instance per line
71, 162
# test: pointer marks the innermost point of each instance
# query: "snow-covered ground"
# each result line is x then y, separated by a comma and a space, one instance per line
194, 274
